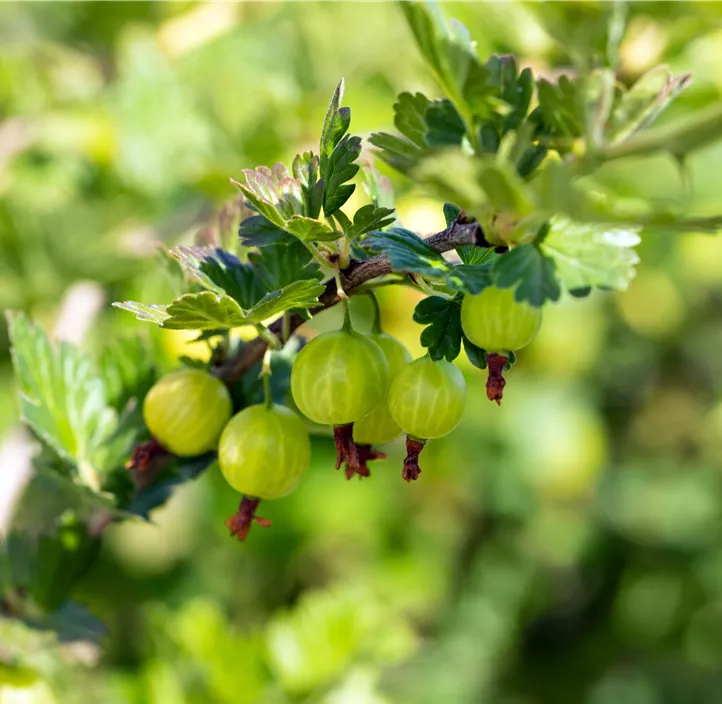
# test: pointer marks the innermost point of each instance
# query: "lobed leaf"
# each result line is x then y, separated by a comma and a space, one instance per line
335, 126
644, 102
409, 253
443, 335
587, 255
369, 218
221, 272
310, 230
258, 231
409, 117
530, 272
306, 171
62, 398
444, 126
299, 294
281, 265
339, 170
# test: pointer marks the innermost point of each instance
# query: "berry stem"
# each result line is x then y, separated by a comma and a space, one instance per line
376, 327
320, 259
286, 327
268, 337
239, 524
411, 469
496, 382
266, 377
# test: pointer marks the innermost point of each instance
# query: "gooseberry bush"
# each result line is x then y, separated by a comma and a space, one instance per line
515, 158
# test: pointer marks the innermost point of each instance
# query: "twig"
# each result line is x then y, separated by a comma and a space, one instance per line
459, 233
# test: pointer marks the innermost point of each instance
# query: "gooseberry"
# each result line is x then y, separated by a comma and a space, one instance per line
263, 453
426, 400
336, 379
186, 411
495, 321
379, 427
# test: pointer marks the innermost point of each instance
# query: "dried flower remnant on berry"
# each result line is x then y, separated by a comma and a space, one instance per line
239, 524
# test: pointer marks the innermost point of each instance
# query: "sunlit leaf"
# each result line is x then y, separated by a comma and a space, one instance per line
62, 398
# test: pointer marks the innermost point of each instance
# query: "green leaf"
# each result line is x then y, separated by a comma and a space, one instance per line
196, 311
530, 272
335, 126
273, 193
480, 185
378, 187
409, 117
474, 354
310, 230
397, 152
644, 102
299, 294
559, 114
443, 335
128, 370
444, 124
282, 265
62, 398
409, 253
221, 272
679, 138
211, 311
512, 88
305, 169
589, 255
448, 49
368, 218
147, 312
257, 231
451, 213
469, 279
339, 170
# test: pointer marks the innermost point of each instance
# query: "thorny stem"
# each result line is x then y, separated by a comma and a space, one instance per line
459, 233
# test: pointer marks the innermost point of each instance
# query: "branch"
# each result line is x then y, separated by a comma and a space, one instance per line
459, 233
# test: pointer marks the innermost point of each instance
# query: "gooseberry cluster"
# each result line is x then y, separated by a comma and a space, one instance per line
365, 386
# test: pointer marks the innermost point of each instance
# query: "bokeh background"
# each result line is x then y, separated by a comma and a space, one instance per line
565, 548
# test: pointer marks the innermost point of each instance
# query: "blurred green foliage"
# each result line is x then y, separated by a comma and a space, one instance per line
564, 548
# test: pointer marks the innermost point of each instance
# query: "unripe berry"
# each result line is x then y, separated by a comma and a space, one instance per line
427, 398
264, 452
339, 377
379, 427
496, 322
186, 412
